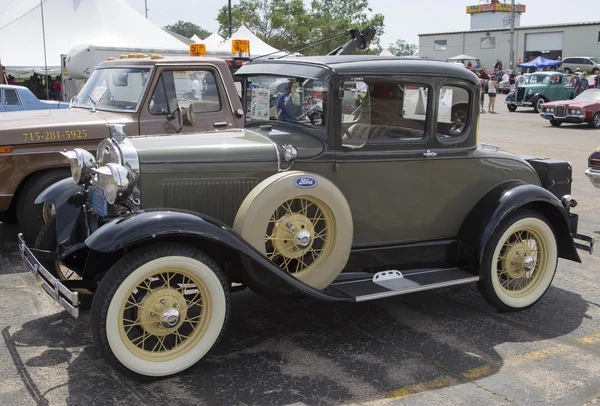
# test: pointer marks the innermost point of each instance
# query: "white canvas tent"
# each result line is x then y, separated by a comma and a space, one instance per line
257, 46
386, 52
106, 23
213, 41
196, 38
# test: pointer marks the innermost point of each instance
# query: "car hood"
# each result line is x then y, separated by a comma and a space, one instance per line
214, 146
571, 103
13, 125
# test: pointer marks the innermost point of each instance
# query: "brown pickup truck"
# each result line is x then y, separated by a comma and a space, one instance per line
149, 95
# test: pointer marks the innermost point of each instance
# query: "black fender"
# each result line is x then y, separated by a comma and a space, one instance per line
145, 227
68, 198
511, 98
487, 215
533, 99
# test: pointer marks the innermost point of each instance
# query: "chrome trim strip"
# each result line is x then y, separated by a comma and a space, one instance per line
416, 289
276, 152
54, 288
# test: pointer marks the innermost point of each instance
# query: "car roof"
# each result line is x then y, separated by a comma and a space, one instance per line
12, 87
174, 60
321, 67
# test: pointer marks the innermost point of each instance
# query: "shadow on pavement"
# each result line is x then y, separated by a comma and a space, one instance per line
311, 352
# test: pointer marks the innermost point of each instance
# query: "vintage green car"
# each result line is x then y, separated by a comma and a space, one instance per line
390, 187
541, 87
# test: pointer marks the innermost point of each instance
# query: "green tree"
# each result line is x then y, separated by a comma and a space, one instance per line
288, 25
187, 29
403, 48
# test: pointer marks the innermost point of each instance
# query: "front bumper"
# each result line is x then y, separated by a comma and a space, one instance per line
68, 299
594, 176
569, 118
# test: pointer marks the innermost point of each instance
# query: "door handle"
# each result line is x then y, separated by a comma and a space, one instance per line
429, 154
220, 124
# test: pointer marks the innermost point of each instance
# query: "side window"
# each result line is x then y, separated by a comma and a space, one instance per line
453, 111
199, 86
588, 62
382, 112
11, 98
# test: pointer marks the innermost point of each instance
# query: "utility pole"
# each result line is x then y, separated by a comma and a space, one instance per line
146, 8
513, 64
229, 15
45, 56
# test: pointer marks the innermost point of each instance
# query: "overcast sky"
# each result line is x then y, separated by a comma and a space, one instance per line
403, 19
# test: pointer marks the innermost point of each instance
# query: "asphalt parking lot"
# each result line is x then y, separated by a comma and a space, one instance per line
439, 347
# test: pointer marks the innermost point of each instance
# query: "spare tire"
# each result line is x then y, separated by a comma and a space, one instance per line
301, 222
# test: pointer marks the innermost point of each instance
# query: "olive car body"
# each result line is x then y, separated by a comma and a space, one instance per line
389, 194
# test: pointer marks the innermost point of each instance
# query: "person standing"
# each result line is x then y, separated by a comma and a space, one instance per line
577, 88
482, 84
597, 80
492, 89
584, 81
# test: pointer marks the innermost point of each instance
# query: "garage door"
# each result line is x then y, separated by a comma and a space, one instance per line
543, 41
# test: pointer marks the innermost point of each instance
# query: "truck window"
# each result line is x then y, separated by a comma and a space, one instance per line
200, 86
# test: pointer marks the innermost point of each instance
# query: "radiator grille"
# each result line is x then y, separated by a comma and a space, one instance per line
559, 111
108, 152
219, 199
520, 94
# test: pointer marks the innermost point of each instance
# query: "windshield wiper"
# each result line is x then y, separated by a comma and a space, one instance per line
92, 103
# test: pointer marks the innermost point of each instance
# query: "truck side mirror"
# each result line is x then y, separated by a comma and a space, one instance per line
187, 117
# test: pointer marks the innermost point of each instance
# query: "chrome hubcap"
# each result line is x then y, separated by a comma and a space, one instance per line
170, 318
529, 263
303, 239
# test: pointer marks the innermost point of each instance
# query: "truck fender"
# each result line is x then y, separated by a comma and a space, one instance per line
487, 215
63, 194
144, 227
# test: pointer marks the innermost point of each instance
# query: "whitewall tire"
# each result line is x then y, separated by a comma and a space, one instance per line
160, 310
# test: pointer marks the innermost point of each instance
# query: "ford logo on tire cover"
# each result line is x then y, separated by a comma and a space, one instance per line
305, 182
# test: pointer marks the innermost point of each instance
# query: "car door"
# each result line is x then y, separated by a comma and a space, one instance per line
202, 85
458, 178
381, 164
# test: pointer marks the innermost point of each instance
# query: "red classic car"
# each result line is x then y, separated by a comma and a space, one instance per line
585, 108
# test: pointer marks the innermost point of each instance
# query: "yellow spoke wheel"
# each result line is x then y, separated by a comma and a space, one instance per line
302, 223
519, 262
160, 309
165, 315
299, 234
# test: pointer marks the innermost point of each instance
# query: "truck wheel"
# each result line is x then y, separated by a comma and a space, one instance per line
301, 222
511, 107
595, 123
539, 104
30, 215
519, 263
159, 310
555, 123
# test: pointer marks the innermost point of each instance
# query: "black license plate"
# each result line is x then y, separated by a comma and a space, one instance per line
99, 203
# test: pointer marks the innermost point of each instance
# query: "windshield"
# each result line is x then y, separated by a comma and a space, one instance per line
536, 79
590, 94
293, 100
595, 60
113, 89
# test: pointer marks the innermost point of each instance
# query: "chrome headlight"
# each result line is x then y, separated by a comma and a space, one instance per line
82, 163
530, 92
117, 182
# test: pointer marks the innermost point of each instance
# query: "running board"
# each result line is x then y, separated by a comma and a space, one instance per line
393, 283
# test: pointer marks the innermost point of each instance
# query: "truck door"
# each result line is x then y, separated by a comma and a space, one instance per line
202, 85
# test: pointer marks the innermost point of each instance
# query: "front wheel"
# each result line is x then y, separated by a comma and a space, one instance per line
595, 123
539, 104
519, 263
511, 107
555, 123
159, 310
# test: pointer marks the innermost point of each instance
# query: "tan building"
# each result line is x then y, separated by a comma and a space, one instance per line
550, 41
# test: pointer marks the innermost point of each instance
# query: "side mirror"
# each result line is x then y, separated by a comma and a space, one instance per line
187, 117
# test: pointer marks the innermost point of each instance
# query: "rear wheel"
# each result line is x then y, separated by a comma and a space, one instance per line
595, 123
159, 310
595, 70
31, 216
519, 263
511, 107
555, 123
568, 71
